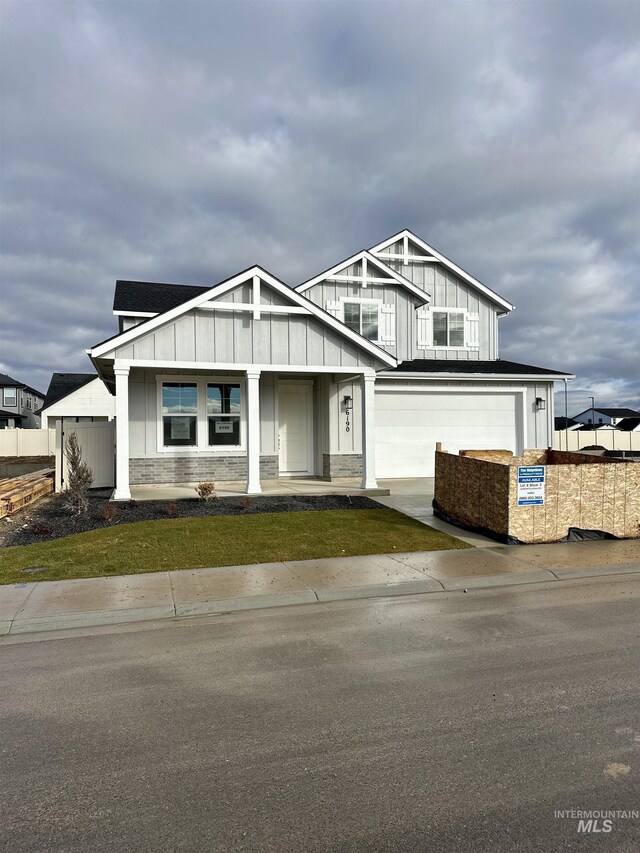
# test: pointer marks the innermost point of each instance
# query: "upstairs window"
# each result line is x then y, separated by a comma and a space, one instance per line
179, 414
223, 414
448, 329
363, 318
10, 397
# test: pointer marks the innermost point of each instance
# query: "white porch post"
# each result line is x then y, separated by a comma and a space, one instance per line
122, 492
253, 432
368, 435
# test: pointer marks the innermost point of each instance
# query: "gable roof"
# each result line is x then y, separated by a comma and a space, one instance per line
560, 423
122, 338
612, 413
149, 297
8, 382
389, 273
498, 367
629, 424
63, 384
446, 262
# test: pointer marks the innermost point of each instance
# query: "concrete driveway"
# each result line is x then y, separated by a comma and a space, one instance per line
413, 497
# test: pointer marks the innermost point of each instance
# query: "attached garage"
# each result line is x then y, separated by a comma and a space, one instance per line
410, 420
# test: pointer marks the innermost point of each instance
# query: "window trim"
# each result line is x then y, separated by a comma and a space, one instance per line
437, 310
202, 418
364, 301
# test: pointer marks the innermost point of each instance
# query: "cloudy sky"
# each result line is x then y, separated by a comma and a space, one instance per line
184, 141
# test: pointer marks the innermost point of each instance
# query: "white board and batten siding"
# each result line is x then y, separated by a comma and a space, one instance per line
412, 334
228, 337
448, 290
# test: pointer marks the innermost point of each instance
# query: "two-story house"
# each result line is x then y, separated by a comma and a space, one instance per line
357, 372
598, 417
18, 404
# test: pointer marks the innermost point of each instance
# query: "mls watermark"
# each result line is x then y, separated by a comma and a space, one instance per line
592, 821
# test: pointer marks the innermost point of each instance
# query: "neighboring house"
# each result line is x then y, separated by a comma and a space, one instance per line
77, 398
354, 373
629, 424
562, 423
605, 417
18, 404
596, 426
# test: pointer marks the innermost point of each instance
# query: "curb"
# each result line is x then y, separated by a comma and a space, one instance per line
430, 586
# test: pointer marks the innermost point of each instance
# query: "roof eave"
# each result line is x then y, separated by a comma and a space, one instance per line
408, 374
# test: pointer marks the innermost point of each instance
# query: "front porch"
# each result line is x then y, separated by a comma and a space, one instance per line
238, 488
252, 431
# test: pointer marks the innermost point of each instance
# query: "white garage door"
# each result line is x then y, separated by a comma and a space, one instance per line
409, 423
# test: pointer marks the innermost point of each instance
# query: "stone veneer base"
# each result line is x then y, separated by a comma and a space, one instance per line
196, 469
337, 465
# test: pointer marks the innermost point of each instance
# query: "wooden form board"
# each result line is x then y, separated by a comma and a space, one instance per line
480, 489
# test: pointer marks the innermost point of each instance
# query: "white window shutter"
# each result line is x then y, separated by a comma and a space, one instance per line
472, 330
335, 308
387, 332
425, 329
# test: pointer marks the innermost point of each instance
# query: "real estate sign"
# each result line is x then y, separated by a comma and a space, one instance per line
531, 485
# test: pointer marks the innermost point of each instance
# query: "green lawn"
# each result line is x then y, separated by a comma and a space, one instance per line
182, 543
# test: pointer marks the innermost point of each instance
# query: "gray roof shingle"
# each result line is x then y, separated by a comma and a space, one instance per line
499, 366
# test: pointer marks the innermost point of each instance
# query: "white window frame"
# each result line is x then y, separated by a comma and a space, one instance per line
435, 310
361, 301
15, 397
202, 418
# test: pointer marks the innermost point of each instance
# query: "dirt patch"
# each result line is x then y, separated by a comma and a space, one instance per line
51, 520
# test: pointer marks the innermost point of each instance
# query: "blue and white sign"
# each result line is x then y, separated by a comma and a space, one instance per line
531, 485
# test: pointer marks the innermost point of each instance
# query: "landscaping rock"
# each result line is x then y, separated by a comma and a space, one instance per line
51, 520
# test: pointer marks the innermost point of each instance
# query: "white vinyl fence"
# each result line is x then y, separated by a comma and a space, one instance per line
97, 442
27, 442
611, 439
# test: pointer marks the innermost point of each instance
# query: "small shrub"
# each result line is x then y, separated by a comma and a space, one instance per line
79, 478
171, 510
206, 491
41, 528
245, 503
108, 511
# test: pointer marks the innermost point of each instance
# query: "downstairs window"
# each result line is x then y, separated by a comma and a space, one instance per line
179, 414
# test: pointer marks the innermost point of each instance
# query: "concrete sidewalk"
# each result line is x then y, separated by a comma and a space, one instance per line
53, 605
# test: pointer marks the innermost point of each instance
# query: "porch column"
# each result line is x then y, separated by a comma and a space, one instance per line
122, 492
253, 432
368, 435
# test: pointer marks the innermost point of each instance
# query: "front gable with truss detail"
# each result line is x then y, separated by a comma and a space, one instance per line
251, 319
372, 299
461, 320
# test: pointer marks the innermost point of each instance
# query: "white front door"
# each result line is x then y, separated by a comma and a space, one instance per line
296, 428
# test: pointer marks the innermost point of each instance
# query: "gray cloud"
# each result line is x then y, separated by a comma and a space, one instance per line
184, 141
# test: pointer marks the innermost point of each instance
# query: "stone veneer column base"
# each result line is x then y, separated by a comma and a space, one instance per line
196, 469
337, 465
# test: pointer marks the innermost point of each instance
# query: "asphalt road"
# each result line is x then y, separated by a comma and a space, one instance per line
456, 724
